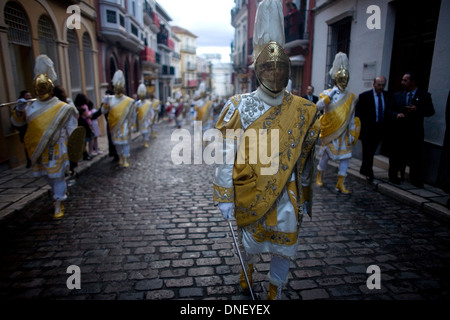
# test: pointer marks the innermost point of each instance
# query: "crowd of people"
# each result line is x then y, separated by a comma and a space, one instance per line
389, 123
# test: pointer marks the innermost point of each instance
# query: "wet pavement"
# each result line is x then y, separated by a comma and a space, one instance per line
151, 232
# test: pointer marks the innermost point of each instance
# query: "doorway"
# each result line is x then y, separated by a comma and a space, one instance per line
413, 46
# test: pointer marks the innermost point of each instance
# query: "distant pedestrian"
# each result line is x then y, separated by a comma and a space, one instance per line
24, 96
310, 95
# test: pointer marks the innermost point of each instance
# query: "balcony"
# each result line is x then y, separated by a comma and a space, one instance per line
297, 39
176, 56
151, 18
177, 82
163, 40
191, 66
188, 49
192, 84
120, 28
148, 56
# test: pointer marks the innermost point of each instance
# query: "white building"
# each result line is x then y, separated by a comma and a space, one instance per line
388, 38
221, 75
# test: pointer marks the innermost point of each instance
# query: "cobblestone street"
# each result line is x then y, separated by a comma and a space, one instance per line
151, 232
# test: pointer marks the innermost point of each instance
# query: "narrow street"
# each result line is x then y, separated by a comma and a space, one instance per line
151, 232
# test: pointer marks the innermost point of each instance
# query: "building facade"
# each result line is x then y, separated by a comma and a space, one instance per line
121, 41
188, 57
389, 39
63, 30
298, 31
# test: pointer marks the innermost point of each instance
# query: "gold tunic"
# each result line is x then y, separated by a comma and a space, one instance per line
260, 199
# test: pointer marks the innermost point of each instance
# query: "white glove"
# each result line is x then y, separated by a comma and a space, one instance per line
106, 99
334, 91
21, 104
227, 209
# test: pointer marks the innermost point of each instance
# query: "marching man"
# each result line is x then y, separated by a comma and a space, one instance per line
340, 127
50, 123
268, 208
145, 114
120, 116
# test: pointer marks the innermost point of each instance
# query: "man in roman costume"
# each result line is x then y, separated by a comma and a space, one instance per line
144, 113
120, 119
340, 128
203, 106
156, 108
268, 207
50, 123
179, 108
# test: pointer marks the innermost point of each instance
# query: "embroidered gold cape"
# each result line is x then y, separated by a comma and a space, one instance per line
255, 194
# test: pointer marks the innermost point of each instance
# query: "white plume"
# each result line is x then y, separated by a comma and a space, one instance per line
142, 90
339, 60
118, 78
269, 25
44, 65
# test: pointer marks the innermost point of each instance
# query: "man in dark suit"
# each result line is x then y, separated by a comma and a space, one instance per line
371, 110
407, 112
310, 96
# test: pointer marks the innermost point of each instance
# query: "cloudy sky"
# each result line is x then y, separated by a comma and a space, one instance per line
210, 20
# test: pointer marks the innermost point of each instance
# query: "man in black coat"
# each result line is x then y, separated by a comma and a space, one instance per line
310, 96
370, 109
407, 112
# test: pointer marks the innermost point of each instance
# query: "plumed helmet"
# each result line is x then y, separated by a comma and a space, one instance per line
339, 71
45, 76
271, 63
142, 91
118, 82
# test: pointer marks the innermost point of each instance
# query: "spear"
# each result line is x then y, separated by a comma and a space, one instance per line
240, 259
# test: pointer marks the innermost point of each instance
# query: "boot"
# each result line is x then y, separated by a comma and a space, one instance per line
340, 186
146, 145
121, 160
274, 292
125, 164
59, 210
319, 180
243, 282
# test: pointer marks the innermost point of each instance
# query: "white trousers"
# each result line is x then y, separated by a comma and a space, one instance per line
343, 164
123, 149
59, 188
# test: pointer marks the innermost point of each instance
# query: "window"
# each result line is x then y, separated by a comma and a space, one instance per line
19, 46
338, 41
111, 16
74, 63
89, 68
47, 41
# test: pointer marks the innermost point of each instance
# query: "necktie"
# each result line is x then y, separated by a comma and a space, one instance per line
410, 95
380, 109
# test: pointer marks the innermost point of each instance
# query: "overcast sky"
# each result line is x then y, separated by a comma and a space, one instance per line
209, 20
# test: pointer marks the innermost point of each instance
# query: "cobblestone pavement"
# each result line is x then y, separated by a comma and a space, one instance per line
151, 232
